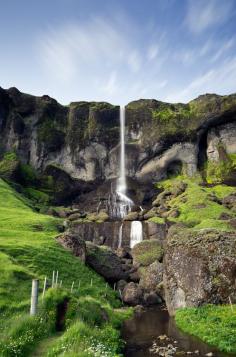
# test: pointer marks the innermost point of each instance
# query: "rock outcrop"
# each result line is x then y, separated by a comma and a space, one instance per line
105, 262
199, 267
82, 139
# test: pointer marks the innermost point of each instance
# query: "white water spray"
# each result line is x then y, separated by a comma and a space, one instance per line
121, 186
136, 233
119, 205
120, 236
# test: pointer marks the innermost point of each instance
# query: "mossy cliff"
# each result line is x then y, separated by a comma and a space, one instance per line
82, 138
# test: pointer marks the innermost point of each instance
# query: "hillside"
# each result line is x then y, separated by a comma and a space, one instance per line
29, 250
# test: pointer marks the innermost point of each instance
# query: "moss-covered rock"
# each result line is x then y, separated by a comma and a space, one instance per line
10, 166
147, 252
105, 262
175, 122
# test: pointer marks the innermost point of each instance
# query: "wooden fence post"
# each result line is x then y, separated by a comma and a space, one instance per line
44, 286
34, 297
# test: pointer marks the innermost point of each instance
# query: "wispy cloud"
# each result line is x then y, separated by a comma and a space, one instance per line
219, 80
202, 14
97, 56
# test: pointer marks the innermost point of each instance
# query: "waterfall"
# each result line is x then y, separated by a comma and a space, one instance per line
136, 233
119, 204
120, 235
121, 186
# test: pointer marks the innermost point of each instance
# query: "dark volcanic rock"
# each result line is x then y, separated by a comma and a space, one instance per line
105, 262
199, 267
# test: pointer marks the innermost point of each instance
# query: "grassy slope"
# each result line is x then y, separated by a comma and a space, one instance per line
215, 325
28, 249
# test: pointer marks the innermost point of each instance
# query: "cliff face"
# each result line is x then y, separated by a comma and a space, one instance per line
82, 139
77, 138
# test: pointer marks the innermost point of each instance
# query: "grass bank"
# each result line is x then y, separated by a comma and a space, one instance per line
213, 324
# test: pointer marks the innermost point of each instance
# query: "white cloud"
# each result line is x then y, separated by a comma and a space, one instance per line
111, 85
152, 52
223, 48
219, 80
134, 61
203, 14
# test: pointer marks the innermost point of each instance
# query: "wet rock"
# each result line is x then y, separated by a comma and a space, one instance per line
151, 299
123, 253
132, 294
74, 243
139, 309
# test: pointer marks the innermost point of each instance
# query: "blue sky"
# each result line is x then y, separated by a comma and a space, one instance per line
118, 50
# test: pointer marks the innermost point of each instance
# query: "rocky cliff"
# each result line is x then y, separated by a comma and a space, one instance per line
82, 139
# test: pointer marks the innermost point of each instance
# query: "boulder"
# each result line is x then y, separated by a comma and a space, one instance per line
132, 294
230, 201
105, 262
147, 252
199, 267
121, 285
151, 278
151, 299
74, 243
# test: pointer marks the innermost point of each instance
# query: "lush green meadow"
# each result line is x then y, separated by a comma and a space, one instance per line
213, 324
28, 249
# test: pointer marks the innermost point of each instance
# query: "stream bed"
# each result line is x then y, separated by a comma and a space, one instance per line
155, 326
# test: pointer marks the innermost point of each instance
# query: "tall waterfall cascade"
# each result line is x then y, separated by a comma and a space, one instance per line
119, 204
136, 233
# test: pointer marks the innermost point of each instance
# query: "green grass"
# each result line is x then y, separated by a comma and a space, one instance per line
215, 325
28, 249
197, 208
147, 252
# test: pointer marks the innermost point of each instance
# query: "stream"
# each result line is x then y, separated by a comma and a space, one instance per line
154, 324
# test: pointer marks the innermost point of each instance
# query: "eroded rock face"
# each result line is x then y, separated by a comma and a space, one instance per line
199, 267
224, 135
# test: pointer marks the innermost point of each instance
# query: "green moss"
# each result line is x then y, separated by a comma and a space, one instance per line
215, 325
9, 165
48, 134
198, 205
36, 195
147, 252
158, 220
